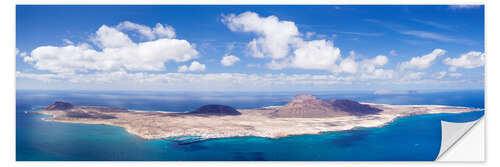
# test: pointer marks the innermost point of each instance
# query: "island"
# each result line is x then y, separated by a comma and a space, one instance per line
305, 114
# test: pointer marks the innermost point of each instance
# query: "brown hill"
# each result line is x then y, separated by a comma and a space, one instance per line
60, 106
309, 106
353, 107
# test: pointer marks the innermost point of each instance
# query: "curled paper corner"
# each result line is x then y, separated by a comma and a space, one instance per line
451, 132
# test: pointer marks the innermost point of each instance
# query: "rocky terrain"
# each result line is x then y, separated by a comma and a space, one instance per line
214, 109
309, 106
60, 106
353, 107
305, 114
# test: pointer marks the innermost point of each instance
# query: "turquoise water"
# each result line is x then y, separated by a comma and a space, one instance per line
405, 139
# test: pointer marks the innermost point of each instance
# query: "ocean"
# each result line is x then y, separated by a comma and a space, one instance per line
415, 138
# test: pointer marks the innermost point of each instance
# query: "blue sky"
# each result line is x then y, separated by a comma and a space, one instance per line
250, 48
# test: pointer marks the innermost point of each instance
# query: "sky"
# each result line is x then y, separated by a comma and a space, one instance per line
250, 48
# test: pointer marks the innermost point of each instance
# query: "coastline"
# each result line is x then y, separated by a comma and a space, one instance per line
252, 122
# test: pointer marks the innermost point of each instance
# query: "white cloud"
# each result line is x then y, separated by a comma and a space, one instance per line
316, 54
229, 60
17, 51
348, 65
40, 77
281, 42
440, 75
254, 49
309, 35
195, 81
234, 81
158, 31
379, 60
117, 52
194, 67
422, 62
378, 74
468, 60
369, 68
436, 36
274, 36
67, 42
164, 31
109, 37
370, 65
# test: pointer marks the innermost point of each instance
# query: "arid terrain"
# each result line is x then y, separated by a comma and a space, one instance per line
306, 114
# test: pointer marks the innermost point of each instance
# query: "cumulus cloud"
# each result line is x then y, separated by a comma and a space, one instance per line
194, 67
366, 68
472, 59
309, 35
370, 68
159, 31
274, 36
117, 52
317, 54
109, 37
348, 65
370, 65
229, 60
422, 62
281, 42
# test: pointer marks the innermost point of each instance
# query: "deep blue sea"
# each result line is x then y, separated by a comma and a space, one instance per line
415, 138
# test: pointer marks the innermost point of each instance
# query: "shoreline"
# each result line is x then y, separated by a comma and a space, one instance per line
271, 138
150, 125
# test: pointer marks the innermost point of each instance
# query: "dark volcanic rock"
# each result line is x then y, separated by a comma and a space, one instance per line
309, 106
353, 107
214, 109
60, 106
